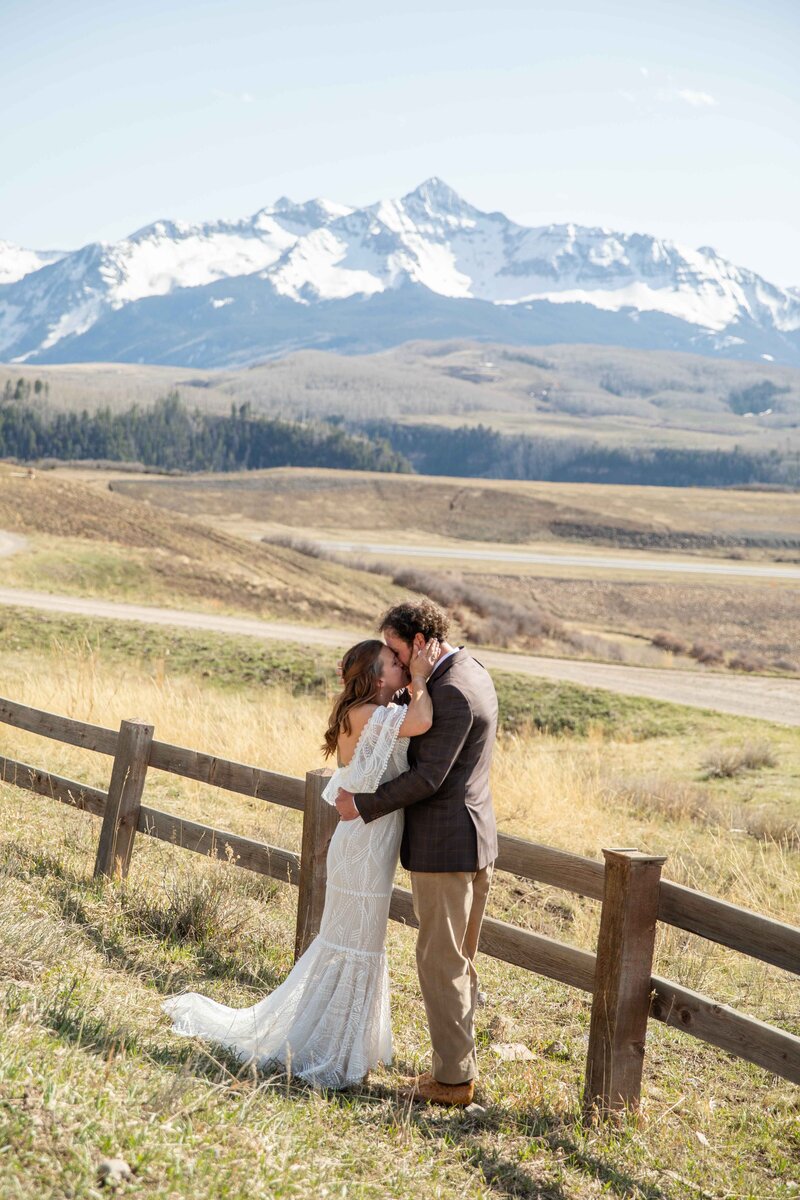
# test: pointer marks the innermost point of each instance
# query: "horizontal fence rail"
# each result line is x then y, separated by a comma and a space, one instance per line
746, 1037
87, 799
217, 843
231, 776
750, 933
718, 921
60, 729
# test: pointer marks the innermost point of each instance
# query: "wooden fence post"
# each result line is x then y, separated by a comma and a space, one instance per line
319, 821
121, 815
621, 1003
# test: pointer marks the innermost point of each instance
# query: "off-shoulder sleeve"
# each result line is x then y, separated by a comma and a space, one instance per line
372, 753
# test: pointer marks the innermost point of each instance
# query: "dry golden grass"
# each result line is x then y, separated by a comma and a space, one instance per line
576, 794
494, 511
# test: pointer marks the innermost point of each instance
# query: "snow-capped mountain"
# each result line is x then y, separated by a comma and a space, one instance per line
16, 262
429, 264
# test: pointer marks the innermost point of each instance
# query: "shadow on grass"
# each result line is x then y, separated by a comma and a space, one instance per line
78, 1027
476, 1137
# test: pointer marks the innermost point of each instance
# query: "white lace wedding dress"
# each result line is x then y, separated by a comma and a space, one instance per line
329, 1022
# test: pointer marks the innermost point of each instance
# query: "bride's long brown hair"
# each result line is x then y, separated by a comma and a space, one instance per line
361, 670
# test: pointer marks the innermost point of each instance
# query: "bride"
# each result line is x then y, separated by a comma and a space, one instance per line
328, 1022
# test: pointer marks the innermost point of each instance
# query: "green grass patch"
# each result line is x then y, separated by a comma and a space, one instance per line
572, 711
82, 568
221, 659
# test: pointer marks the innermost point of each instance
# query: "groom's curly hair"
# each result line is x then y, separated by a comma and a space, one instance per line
411, 617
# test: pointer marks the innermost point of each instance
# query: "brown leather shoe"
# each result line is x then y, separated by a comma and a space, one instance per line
431, 1091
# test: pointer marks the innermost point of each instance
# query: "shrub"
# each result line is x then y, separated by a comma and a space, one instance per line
300, 545
709, 653
747, 662
596, 647
724, 762
770, 825
673, 798
668, 641
684, 801
482, 614
193, 910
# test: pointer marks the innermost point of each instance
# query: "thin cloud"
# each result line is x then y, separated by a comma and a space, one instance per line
697, 99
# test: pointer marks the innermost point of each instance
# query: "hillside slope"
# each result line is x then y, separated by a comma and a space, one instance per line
91, 542
608, 394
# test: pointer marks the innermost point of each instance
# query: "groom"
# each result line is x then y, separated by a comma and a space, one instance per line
449, 840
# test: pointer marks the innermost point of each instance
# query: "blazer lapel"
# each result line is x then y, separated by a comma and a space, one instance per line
439, 672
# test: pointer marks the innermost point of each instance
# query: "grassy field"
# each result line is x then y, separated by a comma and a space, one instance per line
89, 1069
753, 623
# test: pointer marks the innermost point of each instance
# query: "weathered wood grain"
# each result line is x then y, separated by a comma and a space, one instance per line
231, 776
60, 729
621, 1004
121, 816
531, 860
718, 921
319, 821
67, 791
746, 1037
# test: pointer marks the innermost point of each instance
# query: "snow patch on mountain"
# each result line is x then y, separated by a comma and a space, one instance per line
16, 262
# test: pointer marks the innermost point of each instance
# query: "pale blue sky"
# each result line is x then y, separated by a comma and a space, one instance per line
679, 118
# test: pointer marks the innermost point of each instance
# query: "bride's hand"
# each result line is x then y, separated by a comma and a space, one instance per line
424, 660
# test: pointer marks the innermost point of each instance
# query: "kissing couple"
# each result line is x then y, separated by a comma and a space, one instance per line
413, 730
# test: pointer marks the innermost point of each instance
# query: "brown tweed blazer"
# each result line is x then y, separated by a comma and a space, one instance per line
449, 819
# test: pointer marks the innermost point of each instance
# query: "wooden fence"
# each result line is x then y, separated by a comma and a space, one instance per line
628, 884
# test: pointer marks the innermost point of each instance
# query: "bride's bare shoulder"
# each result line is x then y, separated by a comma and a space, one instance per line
360, 715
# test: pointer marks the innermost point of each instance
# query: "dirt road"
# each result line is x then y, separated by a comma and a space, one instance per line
768, 698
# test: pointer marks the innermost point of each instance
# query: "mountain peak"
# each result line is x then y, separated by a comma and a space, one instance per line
434, 193
310, 212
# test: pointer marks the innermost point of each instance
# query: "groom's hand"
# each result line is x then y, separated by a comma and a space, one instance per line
346, 806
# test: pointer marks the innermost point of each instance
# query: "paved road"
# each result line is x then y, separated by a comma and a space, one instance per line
770, 699
606, 561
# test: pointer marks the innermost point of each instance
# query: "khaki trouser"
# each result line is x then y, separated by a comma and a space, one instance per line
449, 906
